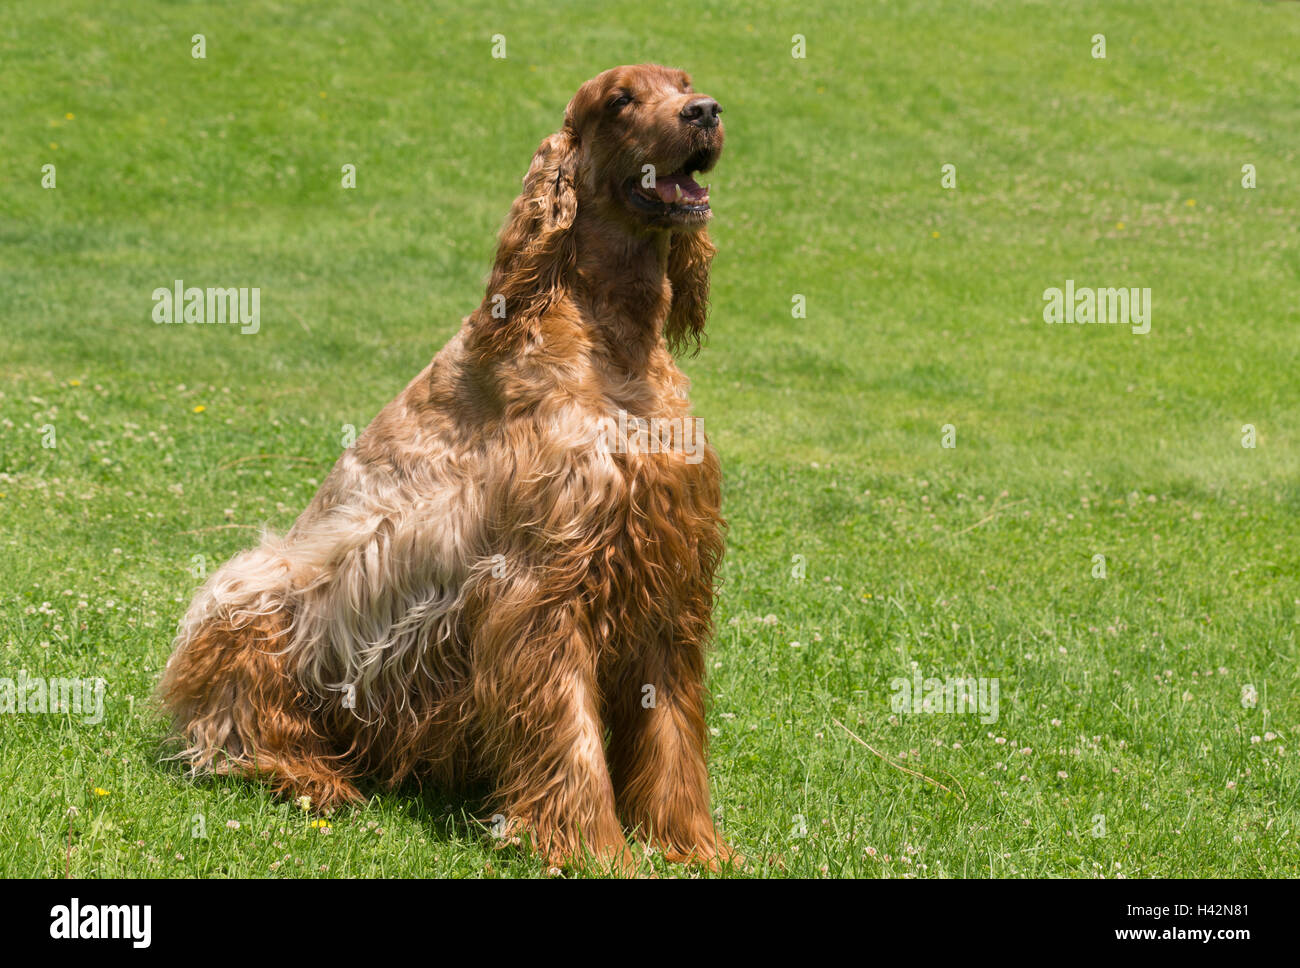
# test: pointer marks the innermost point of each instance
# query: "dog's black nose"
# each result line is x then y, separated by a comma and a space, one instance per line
703, 111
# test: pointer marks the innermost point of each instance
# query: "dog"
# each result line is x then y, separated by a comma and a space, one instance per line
509, 578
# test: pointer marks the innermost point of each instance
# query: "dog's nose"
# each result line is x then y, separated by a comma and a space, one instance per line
703, 111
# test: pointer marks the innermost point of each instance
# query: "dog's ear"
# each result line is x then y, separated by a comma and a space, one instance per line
690, 255
536, 252
549, 184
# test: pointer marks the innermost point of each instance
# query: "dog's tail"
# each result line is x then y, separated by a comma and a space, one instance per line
234, 701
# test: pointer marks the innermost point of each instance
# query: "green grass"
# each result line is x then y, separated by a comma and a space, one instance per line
924, 309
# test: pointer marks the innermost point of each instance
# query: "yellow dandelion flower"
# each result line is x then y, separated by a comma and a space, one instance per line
74, 383
199, 409
934, 235
53, 146
1120, 226
1190, 203
100, 792
69, 115
323, 94
321, 824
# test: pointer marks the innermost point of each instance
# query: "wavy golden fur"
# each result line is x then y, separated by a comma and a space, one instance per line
498, 581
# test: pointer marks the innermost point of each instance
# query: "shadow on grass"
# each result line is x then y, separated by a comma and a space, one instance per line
459, 820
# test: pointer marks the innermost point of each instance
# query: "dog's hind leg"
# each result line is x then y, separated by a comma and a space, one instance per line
239, 710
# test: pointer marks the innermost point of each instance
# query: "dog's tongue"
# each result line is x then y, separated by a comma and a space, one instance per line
680, 188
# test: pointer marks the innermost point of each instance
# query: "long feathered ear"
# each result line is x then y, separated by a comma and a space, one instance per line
689, 256
536, 252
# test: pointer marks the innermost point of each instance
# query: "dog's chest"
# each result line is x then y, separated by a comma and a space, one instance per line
665, 534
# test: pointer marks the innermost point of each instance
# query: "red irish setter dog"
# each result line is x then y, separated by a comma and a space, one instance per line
509, 577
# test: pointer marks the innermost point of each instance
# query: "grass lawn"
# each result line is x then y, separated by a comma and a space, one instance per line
1148, 721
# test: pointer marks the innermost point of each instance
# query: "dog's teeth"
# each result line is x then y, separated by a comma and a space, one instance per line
678, 189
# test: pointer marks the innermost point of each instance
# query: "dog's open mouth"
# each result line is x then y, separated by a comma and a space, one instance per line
676, 193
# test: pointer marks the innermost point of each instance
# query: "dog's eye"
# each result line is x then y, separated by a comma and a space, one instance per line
620, 101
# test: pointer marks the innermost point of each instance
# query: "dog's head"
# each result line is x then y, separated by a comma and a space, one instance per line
633, 141
642, 134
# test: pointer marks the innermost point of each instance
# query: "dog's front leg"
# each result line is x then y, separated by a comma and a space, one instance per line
657, 752
539, 731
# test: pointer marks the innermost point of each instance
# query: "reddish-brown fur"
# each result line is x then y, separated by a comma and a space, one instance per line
482, 589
